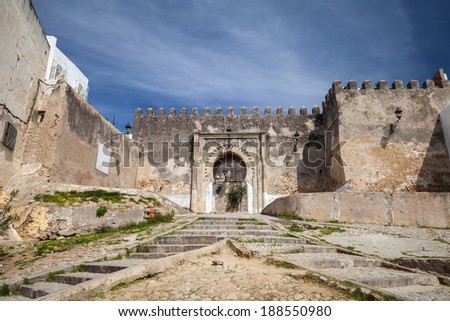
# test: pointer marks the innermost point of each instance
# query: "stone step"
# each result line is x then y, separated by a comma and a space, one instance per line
230, 227
382, 277
275, 248
75, 278
228, 232
227, 222
329, 260
39, 289
310, 248
107, 267
269, 239
283, 239
421, 292
187, 239
163, 248
225, 218
151, 256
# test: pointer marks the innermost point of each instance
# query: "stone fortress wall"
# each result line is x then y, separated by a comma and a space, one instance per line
64, 141
167, 147
380, 173
409, 156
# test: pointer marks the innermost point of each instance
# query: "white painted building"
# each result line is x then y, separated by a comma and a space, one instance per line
60, 67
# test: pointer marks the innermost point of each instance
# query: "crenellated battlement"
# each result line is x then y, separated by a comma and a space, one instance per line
230, 112
439, 81
382, 87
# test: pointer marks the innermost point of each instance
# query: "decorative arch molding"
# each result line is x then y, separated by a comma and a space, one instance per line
224, 150
203, 180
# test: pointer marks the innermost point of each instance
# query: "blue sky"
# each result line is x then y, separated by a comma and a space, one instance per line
209, 53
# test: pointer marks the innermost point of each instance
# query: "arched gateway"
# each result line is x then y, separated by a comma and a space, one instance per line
226, 173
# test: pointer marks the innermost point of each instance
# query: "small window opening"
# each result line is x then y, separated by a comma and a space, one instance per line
9, 136
40, 117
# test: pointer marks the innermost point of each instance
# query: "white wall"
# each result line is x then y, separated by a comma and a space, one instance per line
445, 121
61, 67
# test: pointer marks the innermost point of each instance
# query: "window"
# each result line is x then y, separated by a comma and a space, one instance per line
9, 136
57, 72
40, 117
80, 89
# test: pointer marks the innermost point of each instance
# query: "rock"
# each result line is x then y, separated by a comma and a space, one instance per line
232, 297
215, 262
298, 297
365, 291
324, 279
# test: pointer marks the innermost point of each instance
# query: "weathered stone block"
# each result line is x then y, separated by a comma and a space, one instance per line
428, 84
382, 85
316, 110
352, 85
362, 208
413, 84
317, 206
367, 85
397, 84
421, 209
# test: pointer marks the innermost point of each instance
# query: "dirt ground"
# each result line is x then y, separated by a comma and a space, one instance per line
238, 279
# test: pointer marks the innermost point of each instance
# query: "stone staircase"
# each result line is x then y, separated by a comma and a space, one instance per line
404, 284
257, 238
203, 232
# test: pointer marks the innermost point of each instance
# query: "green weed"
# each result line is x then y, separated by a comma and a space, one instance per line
27, 281
330, 229
101, 211
77, 197
296, 228
78, 268
51, 276
288, 216
4, 290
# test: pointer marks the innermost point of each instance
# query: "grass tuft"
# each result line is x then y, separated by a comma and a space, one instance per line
4, 290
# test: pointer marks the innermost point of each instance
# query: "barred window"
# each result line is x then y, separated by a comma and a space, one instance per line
9, 136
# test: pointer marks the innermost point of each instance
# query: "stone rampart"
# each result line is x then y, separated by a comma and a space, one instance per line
400, 209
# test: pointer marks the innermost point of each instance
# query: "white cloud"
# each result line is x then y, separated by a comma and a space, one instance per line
256, 52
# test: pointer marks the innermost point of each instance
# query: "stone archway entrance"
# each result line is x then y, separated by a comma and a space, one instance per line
224, 164
230, 187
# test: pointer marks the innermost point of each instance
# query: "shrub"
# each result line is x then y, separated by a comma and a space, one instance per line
235, 197
101, 211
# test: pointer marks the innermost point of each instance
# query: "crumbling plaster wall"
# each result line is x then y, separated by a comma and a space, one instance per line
63, 147
411, 157
23, 63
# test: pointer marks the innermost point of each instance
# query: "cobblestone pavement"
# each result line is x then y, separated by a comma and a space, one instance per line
238, 279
